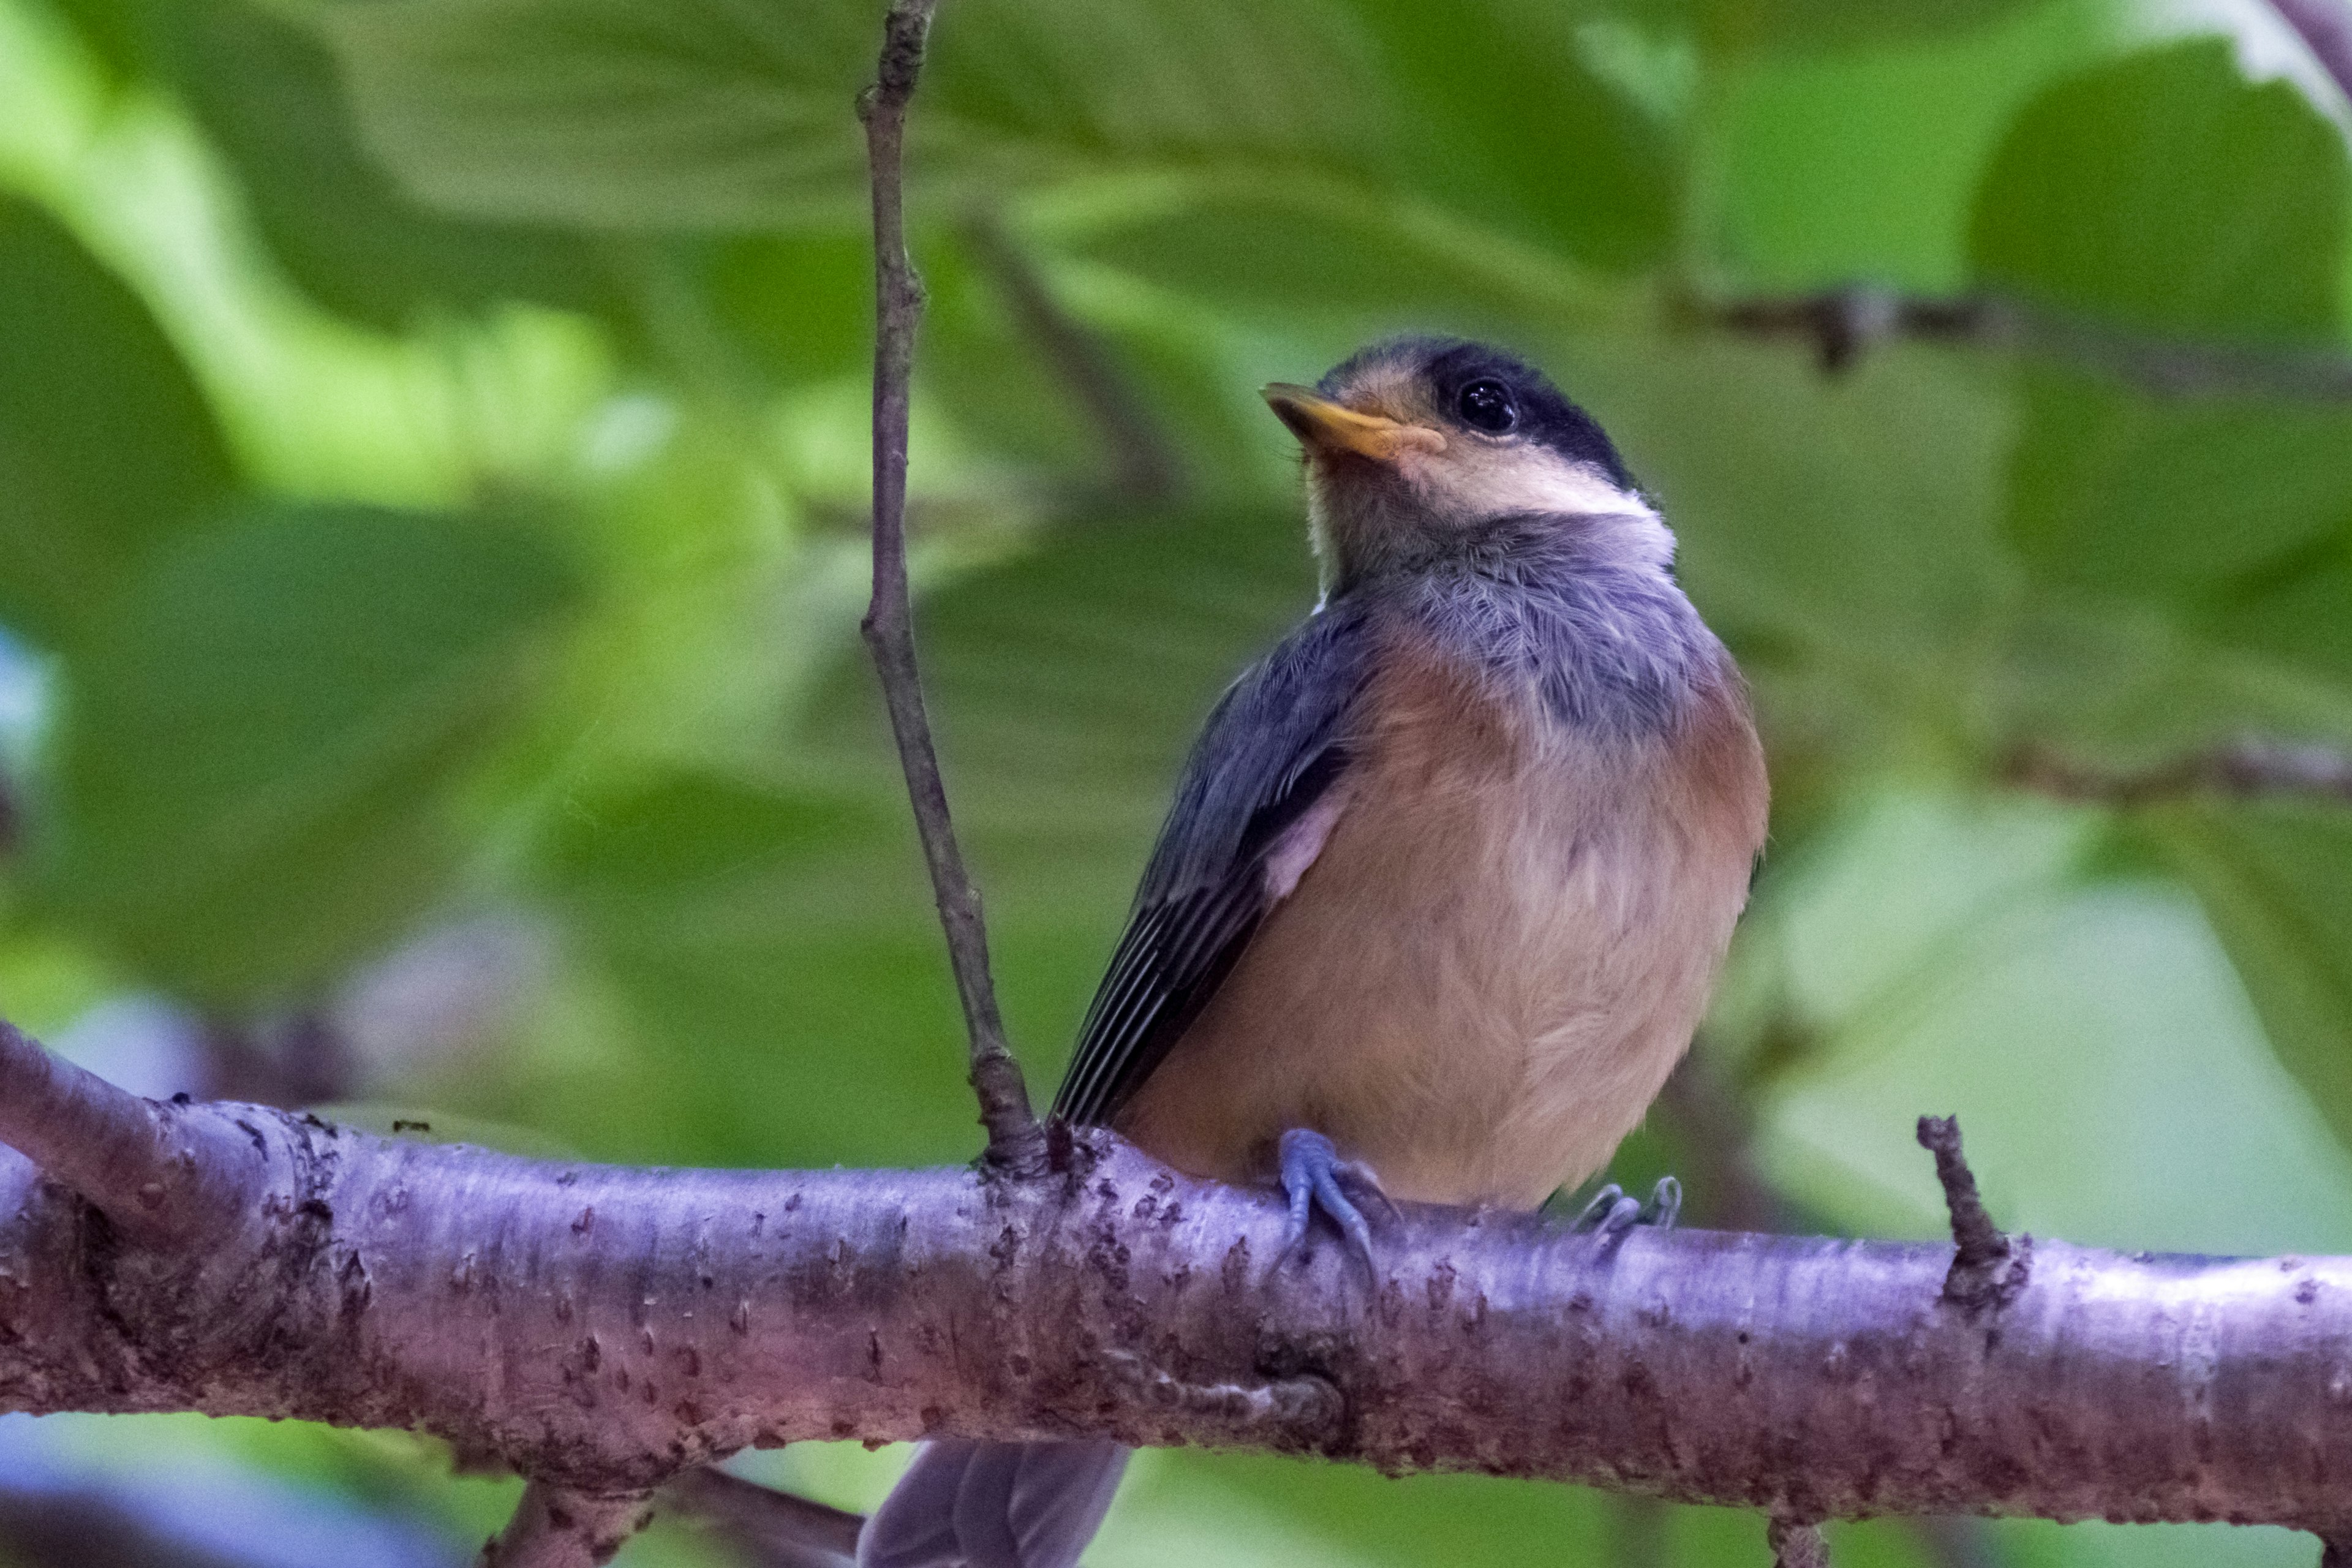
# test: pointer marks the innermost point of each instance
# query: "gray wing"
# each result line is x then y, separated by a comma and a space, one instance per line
1276, 742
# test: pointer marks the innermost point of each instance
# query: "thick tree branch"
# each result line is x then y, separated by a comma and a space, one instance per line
1843, 324
1015, 1141
2245, 769
603, 1329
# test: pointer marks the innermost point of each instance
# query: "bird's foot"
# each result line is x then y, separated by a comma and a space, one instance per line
1313, 1177
1613, 1213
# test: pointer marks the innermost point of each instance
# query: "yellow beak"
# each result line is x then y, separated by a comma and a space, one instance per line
1323, 426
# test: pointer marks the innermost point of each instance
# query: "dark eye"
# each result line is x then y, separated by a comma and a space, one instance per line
1487, 405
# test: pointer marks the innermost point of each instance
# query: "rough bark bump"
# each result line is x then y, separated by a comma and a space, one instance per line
1988, 1269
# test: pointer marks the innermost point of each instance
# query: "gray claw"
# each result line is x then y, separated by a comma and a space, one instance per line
1313, 1177
1665, 1204
1611, 1213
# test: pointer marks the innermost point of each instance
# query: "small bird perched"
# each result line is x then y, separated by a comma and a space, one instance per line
1448, 876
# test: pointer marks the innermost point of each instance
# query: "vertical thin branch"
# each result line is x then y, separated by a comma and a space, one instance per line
1013, 1139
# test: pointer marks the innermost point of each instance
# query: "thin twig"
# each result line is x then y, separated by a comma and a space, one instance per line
1014, 1139
553, 1528
1986, 1269
1844, 323
1144, 465
2242, 770
774, 1529
2325, 28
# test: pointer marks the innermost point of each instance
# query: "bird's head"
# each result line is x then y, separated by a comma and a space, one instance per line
1417, 446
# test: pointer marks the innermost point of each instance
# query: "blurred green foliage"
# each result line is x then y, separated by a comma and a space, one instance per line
432, 455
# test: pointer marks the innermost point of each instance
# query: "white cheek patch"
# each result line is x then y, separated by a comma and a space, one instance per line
1474, 484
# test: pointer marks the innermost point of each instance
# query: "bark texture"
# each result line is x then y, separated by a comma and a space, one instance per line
602, 1329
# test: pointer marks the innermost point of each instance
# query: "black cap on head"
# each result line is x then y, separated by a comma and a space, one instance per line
1485, 389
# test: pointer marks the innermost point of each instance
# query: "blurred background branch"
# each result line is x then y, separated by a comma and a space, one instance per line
2243, 770
1145, 467
1844, 323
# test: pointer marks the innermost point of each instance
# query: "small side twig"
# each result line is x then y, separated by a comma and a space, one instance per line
1843, 324
1144, 466
156, 1173
2242, 770
1796, 1543
553, 1528
1981, 1274
774, 1529
1014, 1139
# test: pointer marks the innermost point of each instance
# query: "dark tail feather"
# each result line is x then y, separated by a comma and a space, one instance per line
993, 1505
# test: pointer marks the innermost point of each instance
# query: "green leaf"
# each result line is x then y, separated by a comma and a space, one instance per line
1292, 259
802, 303
2115, 492
1850, 522
1511, 122
2276, 882
1732, 26
265, 90
780, 979
261, 737
2166, 193
629, 113
2091, 1034
1859, 162
105, 444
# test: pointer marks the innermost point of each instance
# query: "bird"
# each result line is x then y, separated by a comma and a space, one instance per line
1447, 878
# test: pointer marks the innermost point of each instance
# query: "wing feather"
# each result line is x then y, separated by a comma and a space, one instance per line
1276, 744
